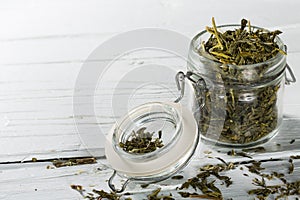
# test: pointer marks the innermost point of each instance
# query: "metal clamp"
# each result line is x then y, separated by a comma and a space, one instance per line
180, 76
112, 186
292, 78
180, 82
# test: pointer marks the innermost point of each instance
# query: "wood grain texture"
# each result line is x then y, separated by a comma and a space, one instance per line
34, 180
43, 45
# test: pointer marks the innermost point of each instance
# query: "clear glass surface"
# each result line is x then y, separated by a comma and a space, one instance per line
243, 109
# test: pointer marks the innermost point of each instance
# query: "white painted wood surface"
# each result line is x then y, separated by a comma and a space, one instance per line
42, 47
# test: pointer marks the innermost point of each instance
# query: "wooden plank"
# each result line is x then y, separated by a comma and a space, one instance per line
36, 109
34, 180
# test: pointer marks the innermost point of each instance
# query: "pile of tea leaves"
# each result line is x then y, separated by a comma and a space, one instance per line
242, 46
263, 190
207, 187
141, 142
249, 98
211, 176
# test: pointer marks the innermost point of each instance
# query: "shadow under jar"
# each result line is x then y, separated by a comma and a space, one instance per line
242, 103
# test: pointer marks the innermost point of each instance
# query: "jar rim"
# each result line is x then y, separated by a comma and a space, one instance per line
279, 56
135, 114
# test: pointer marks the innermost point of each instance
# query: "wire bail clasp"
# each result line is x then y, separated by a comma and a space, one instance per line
292, 78
180, 82
199, 83
112, 186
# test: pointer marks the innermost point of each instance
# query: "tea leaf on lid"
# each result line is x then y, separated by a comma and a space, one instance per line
141, 142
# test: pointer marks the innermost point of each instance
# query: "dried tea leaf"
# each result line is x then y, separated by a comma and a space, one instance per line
77, 187
255, 167
242, 154
292, 141
295, 157
141, 142
291, 167
177, 177
74, 161
195, 195
223, 161
155, 195
255, 149
144, 185
103, 194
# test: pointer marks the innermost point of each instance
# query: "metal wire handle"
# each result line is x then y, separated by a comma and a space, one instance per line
180, 82
179, 78
112, 186
288, 80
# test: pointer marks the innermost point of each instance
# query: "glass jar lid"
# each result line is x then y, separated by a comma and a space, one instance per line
152, 142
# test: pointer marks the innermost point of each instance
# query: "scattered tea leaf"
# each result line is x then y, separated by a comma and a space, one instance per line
207, 152
242, 154
103, 194
50, 167
177, 177
144, 185
72, 162
292, 141
255, 149
291, 167
255, 167
223, 161
155, 195
295, 157
77, 187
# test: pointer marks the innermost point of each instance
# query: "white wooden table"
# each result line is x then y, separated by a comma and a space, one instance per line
43, 45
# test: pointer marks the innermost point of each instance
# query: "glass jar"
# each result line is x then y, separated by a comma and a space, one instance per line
241, 105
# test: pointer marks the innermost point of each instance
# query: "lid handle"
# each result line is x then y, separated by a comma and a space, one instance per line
180, 82
112, 186
180, 85
292, 78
